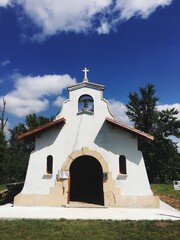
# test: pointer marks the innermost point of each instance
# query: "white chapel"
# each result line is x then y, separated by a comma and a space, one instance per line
85, 156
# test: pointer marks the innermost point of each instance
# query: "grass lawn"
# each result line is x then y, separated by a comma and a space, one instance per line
2, 187
167, 194
165, 189
89, 230
3, 194
95, 229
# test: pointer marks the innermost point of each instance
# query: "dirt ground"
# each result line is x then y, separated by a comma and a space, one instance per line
172, 201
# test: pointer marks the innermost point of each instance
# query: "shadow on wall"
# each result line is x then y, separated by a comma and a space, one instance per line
118, 142
47, 139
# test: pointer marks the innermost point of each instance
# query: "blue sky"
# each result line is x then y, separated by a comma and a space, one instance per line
44, 45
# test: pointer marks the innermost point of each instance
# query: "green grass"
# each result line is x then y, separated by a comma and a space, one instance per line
165, 189
89, 230
2, 187
94, 229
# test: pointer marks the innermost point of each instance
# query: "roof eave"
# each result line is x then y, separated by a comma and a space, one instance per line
130, 129
88, 85
31, 134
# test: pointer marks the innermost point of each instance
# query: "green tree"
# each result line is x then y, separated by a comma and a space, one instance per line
141, 108
3, 142
3, 155
34, 121
161, 155
3, 121
19, 149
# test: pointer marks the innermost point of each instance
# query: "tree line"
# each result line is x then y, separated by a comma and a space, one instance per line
14, 153
161, 156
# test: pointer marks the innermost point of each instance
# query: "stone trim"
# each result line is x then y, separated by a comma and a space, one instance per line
59, 194
85, 151
111, 192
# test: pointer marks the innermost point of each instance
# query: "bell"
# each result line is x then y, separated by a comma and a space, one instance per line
85, 105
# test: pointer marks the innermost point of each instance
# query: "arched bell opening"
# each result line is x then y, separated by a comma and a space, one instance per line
86, 104
86, 180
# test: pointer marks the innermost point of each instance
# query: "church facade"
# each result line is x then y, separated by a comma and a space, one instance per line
86, 156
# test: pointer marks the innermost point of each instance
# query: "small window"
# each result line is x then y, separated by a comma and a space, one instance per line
86, 104
122, 165
49, 167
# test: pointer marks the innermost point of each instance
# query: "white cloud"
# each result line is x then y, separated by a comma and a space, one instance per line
31, 94
104, 28
4, 63
60, 15
56, 16
142, 8
176, 140
6, 129
4, 3
118, 109
40, 86
178, 144
59, 101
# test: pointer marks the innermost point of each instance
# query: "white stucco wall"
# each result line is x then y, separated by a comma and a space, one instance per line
91, 131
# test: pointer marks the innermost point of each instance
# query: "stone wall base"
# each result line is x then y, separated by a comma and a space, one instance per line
36, 200
123, 201
59, 194
139, 202
57, 197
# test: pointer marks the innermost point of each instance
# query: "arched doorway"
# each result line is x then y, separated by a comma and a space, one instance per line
86, 180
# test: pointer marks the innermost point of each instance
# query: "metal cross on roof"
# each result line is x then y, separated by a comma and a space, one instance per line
85, 74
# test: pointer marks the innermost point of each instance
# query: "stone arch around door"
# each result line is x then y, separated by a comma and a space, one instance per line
88, 152
111, 192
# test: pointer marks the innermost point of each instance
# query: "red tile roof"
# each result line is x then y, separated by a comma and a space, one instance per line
130, 129
49, 125
37, 130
